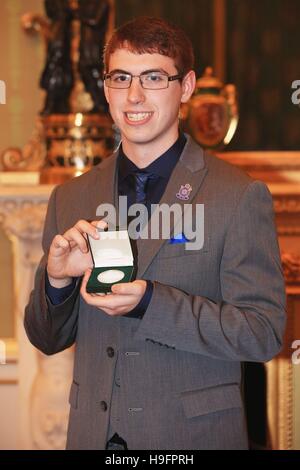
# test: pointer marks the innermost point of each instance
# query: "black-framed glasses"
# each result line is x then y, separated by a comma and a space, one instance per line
152, 80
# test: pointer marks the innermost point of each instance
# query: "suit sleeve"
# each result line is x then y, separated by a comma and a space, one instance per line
248, 323
50, 328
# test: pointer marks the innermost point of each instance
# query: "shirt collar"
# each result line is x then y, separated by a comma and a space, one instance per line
162, 166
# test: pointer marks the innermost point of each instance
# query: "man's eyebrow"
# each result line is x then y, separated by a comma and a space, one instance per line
155, 70
142, 73
118, 71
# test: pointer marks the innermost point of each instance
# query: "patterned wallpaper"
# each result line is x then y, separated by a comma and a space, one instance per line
263, 59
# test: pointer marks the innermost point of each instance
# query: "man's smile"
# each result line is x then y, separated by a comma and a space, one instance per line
138, 117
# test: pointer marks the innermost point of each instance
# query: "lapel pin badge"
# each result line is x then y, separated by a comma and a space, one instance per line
184, 192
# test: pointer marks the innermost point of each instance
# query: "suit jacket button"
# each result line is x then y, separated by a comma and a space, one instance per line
110, 352
103, 405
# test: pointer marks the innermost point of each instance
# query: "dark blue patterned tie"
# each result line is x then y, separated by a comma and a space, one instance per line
141, 179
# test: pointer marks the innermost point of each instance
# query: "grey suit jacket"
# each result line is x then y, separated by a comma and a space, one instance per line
174, 380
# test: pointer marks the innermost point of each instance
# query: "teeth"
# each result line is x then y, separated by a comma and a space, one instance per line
137, 116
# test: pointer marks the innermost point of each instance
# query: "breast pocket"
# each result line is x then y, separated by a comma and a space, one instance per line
211, 400
169, 250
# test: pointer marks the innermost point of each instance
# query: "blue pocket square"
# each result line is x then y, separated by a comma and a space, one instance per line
179, 238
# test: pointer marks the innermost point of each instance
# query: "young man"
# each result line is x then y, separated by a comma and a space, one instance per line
158, 362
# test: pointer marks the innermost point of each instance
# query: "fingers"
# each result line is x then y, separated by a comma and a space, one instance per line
90, 228
100, 224
77, 235
116, 303
84, 282
59, 245
76, 238
79, 230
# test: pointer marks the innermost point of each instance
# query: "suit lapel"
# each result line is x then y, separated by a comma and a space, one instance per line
191, 170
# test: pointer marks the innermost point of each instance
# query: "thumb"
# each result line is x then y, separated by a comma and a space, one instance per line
85, 279
136, 287
123, 288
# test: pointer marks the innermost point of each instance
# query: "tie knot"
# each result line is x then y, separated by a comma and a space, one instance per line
142, 176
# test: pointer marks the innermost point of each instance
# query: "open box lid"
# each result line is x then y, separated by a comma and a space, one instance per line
111, 249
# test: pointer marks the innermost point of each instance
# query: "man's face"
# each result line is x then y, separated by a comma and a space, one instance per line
147, 117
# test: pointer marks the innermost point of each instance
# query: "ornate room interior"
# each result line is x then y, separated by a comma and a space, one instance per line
246, 62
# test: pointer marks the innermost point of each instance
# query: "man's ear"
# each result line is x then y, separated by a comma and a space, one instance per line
188, 86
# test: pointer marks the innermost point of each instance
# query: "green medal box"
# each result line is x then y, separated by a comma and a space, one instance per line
113, 260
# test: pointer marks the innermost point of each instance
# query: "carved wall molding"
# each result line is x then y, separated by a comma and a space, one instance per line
289, 231
290, 205
31, 157
286, 200
49, 399
24, 206
25, 219
264, 161
291, 267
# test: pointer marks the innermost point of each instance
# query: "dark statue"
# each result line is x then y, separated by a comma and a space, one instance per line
94, 16
58, 76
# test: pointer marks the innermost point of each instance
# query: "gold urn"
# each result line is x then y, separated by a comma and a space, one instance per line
211, 116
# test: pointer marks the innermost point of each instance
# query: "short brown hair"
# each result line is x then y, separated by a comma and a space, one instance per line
146, 34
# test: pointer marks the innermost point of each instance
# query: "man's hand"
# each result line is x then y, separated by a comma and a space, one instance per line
123, 298
69, 254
